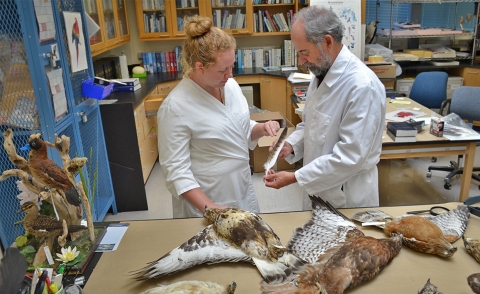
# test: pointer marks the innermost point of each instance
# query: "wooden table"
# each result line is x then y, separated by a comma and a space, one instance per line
146, 241
428, 145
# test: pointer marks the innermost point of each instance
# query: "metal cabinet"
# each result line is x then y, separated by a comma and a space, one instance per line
41, 92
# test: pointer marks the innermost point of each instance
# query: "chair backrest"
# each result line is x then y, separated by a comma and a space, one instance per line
430, 88
466, 103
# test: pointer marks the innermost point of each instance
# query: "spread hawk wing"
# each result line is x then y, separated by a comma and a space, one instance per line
203, 248
453, 223
325, 232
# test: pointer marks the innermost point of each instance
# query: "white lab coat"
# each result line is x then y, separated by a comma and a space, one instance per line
203, 143
340, 138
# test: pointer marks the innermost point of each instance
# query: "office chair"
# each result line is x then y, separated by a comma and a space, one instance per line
465, 103
430, 89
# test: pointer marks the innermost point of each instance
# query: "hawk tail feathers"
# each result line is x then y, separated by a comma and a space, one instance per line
279, 271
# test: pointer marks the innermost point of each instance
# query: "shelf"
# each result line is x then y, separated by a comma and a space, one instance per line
430, 1
426, 36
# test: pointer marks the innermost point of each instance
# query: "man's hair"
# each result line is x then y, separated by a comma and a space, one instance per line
318, 22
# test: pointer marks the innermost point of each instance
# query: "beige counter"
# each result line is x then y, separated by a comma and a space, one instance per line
146, 241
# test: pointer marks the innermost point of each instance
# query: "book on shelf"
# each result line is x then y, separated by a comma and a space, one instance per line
401, 139
126, 82
127, 88
401, 129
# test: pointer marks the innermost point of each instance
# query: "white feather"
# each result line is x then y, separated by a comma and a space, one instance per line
272, 157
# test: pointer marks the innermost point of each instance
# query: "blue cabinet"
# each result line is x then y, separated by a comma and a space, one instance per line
44, 57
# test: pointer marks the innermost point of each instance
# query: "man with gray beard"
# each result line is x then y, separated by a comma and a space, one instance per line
340, 137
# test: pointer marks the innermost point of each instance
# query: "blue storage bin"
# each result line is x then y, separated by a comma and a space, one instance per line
96, 91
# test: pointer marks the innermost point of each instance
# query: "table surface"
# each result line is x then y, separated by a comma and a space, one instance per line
146, 241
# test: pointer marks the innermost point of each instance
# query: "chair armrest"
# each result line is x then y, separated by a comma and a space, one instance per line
445, 103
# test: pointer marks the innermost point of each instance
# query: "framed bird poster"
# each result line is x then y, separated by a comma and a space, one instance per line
350, 13
76, 41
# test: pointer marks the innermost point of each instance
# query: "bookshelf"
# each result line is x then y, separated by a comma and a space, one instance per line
238, 17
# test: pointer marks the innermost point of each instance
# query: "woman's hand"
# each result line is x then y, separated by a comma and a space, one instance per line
270, 128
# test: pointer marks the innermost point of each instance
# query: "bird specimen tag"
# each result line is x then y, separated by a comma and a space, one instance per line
48, 254
272, 157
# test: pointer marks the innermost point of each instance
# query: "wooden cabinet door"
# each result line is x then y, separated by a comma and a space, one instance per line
122, 22
153, 19
236, 19
273, 94
97, 42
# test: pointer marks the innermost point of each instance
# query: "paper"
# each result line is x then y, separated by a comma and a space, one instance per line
57, 90
400, 102
112, 238
46, 25
403, 115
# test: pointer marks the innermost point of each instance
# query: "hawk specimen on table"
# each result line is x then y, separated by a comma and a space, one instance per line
233, 235
474, 282
340, 256
429, 288
472, 246
426, 234
48, 172
193, 287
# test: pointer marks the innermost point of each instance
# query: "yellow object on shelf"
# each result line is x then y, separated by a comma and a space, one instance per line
375, 58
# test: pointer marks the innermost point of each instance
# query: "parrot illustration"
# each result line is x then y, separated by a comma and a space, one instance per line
76, 36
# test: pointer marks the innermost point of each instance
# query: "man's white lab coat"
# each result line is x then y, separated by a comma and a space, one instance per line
340, 138
203, 143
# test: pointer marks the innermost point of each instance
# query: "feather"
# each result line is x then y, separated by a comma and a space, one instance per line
272, 157
193, 287
12, 271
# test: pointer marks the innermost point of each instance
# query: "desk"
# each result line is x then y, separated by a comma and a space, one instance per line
428, 145
145, 241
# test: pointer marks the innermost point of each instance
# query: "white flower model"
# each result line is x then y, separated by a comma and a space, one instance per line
68, 254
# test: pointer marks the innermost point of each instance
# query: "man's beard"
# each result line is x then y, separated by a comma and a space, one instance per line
324, 62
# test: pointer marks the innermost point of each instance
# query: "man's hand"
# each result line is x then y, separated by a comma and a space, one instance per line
287, 149
279, 180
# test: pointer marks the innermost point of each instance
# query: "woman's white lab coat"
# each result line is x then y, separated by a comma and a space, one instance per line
340, 138
203, 143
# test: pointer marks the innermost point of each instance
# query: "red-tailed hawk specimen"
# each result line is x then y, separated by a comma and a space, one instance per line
472, 246
429, 288
426, 234
187, 287
474, 282
340, 256
233, 235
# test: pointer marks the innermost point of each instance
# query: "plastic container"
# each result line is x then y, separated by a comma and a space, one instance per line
96, 91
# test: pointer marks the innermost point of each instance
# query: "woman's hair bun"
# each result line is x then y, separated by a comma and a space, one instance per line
196, 26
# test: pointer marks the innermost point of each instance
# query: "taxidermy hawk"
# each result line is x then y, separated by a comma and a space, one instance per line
472, 246
429, 288
233, 235
371, 30
427, 234
339, 255
193, 287
48, 172
474, 282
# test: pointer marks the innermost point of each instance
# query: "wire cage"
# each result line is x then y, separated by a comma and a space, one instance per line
27, 109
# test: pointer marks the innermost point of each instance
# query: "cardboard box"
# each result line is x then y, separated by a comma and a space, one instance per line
259, 155
384, 71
